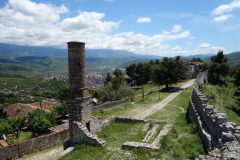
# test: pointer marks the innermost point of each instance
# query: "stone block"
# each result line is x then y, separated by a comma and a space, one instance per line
227, 136
220, 119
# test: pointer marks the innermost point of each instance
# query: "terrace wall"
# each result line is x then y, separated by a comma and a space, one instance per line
34, 144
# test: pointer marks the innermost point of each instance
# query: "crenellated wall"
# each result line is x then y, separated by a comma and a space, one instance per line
212, 125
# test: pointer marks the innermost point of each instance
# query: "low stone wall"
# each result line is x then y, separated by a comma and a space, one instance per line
109, 104
212, 125
34, 144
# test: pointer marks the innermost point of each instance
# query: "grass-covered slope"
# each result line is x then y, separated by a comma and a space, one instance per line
221, 96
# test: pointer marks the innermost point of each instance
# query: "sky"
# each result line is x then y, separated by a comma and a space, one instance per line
146, 27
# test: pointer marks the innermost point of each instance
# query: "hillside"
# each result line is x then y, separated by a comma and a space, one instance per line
32, 65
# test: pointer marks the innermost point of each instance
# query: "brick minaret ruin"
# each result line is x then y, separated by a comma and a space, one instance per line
79, 103
82, 125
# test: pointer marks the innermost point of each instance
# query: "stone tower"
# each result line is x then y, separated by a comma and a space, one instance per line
79, 103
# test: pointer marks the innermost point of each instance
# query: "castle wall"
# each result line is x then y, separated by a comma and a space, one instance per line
212, 125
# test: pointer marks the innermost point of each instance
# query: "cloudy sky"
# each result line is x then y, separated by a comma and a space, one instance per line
154, 27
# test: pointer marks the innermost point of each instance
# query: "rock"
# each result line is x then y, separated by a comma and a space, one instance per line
227, 136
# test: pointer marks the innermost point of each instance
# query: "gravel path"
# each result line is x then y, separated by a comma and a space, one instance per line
164, 102
45, 155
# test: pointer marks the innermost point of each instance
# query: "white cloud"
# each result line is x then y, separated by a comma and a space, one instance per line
176, 48
177, 28
191, 37
143, 20
39, 24
189, 43
204, 45
165, 32
109, 0
222, 18
90, 21
226, 7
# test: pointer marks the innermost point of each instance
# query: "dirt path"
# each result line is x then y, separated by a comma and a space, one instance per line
163, 103
46, 155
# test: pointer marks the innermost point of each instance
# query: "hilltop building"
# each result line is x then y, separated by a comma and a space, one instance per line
194, 68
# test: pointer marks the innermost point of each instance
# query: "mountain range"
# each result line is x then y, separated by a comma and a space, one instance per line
37, 59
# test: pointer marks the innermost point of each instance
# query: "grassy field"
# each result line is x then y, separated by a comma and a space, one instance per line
118, 133
23, 136
133, 109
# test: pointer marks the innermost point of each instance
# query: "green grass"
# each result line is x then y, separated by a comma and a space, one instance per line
133, 109
23, 136
87, 152
148, 88
172, 109
182, 142
222, 98
118, 133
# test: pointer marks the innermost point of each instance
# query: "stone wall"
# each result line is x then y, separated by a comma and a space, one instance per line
212, 125
34, 144
82, 135
109, 105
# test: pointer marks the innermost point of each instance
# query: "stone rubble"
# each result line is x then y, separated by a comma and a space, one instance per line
151, 133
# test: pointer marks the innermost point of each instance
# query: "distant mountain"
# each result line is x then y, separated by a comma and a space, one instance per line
198, 56
18, 51
33, 65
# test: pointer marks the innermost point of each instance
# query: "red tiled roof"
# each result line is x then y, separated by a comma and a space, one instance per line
3, 144
194, 62
17, 110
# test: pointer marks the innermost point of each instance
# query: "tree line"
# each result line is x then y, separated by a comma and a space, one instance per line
168, 71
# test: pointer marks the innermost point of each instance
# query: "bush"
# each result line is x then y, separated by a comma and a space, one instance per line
61, 109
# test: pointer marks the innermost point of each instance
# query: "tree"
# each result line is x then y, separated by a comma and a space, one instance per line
61, 109
109, 93
62, 93
169, 71
108, 78
40, 126
118, 73
118, 80
219, 65
197, 59
40, 121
